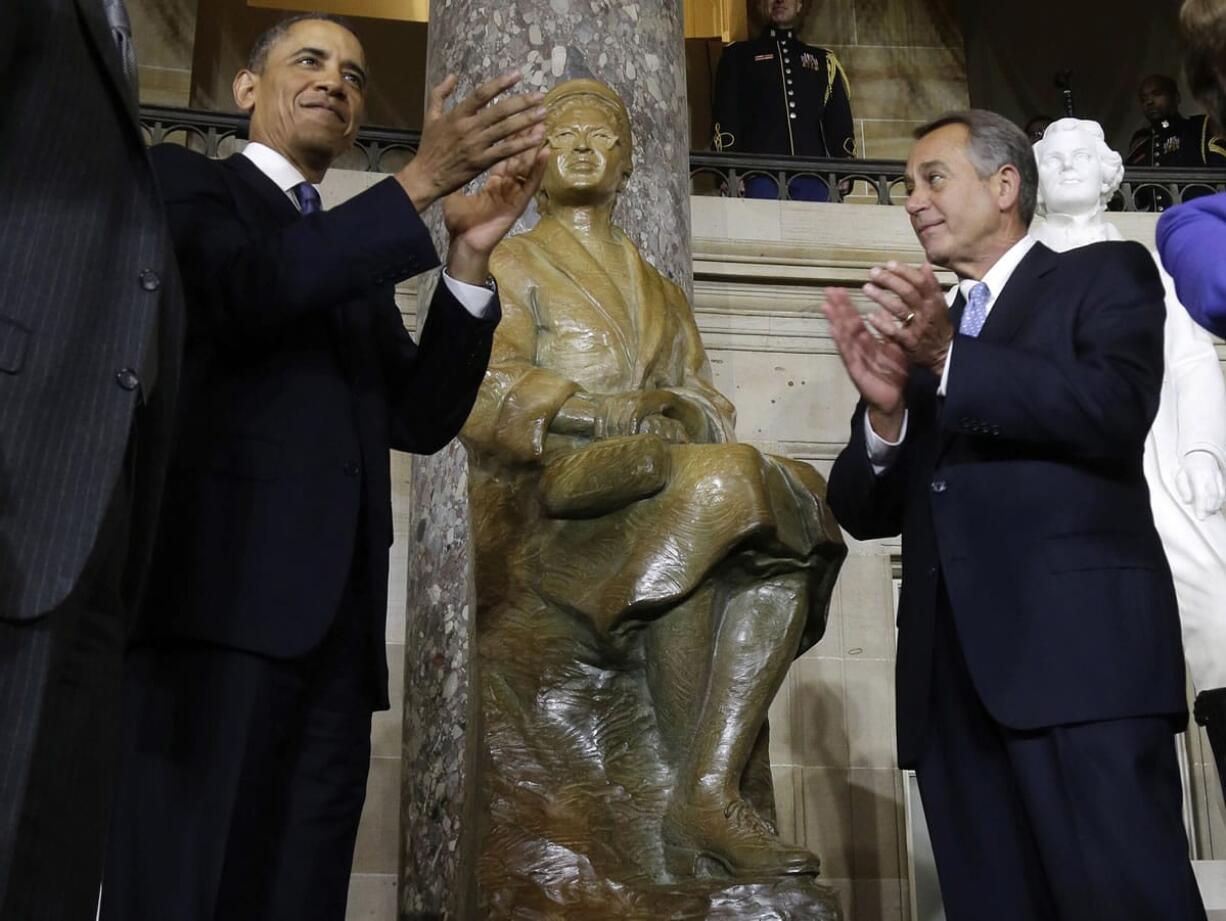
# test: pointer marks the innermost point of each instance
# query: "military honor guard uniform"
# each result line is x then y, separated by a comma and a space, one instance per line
1177, 142
777, 95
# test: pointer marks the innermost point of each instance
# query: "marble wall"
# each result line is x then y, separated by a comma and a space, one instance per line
164, 34
905, 61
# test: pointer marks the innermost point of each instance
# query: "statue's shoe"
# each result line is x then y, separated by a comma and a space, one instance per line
734, 836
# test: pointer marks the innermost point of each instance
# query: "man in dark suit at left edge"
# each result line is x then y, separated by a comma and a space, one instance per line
248, 699
90, 331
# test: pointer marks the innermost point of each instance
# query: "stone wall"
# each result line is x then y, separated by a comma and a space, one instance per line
164, 34
905, 61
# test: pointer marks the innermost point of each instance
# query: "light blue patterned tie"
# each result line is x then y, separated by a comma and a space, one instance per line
308, 198
976, 312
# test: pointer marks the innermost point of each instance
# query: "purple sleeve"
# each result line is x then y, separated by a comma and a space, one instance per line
1192, 242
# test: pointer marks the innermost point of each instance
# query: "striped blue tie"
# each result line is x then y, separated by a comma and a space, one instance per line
976, 312
308, 198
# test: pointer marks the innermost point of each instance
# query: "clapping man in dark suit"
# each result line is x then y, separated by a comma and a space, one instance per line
90, 320
1040, 675
247, 739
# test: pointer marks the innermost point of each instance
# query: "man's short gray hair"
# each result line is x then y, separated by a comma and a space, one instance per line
995, 142
1112, 162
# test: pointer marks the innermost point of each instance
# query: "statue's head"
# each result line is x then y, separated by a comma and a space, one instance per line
590, 144
1078, 171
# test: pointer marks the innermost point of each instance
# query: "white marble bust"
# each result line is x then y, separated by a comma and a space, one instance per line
1078, 174
1185, 453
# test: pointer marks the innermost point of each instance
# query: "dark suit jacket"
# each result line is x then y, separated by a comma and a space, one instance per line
1022, 489
90, 314
298, 378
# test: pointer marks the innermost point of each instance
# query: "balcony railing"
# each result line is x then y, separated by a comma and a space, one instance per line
385, 150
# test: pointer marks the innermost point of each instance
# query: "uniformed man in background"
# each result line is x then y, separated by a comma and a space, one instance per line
777, 95
1170, 139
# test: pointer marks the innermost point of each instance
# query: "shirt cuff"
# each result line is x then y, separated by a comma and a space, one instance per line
881, 453
949, 357
476, 299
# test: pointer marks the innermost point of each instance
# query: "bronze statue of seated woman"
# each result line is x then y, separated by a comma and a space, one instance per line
644, 581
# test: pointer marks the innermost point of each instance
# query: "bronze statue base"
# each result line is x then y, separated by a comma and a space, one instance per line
798, 899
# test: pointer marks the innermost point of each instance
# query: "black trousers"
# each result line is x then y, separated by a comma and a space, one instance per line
242, 779
60, 678
1070, 823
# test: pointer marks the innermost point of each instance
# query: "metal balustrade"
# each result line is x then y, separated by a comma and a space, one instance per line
385, 150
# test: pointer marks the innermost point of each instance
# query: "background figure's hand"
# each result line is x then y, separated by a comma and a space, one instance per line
1200, 485
472, 136
477, 222
913, 314
877, 367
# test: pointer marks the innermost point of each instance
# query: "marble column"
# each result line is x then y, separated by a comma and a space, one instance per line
637, 47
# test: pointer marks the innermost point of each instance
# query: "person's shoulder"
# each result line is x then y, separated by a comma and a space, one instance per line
1106, 251
1115, 259
738, 51
818, 49
182, 172
170, 157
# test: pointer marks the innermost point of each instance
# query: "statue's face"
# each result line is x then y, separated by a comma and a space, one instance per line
1071, 173
587, 152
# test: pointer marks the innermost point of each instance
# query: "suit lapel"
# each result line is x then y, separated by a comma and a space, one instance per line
652, 320
956, 309
1011, 310
99, 32
590, 279
264, 188
278, 212
1016, 301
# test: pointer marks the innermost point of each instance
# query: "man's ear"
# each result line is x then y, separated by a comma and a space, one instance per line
245, 83
1009, 187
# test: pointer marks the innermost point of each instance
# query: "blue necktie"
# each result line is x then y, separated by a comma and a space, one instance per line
976, 312
308, 198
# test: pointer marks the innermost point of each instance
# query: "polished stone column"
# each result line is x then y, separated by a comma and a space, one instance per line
637, 47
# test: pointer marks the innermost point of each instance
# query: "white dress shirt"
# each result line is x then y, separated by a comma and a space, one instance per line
476, 299
881, 453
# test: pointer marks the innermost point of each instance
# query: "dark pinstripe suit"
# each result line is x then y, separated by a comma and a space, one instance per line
89, 330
